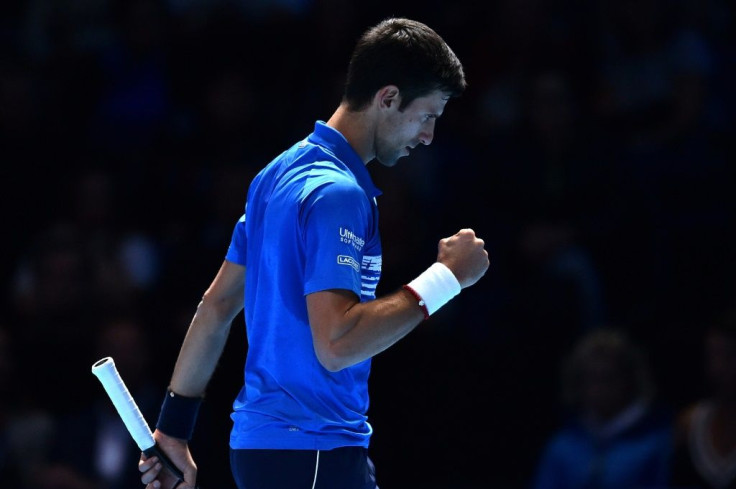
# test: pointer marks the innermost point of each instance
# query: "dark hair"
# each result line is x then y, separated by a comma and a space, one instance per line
405, 53
614, 345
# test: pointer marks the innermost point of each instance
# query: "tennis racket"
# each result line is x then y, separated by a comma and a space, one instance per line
126, 407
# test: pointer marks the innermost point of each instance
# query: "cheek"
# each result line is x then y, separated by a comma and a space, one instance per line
389, 130
385, 138
398, 136
408, 133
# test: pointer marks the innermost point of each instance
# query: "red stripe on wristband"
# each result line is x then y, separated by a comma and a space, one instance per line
420, 301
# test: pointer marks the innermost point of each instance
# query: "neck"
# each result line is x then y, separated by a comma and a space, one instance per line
358, 128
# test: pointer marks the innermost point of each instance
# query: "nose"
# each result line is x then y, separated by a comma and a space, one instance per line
426, 136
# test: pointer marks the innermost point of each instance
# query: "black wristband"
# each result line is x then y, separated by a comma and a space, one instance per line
178, 415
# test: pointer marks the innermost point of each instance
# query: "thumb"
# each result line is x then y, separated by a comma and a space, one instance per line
190, 479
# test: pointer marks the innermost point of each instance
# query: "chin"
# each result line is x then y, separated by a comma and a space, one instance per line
388, 162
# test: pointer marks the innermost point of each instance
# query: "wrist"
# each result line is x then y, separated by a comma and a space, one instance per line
178, 415
419, 300
434, 288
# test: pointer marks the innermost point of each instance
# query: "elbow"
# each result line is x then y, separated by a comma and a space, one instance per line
220, 309
332, 367
330, 359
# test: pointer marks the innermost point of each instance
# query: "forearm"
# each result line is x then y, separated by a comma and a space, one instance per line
346, 331
201, 349
366, 328
376, 325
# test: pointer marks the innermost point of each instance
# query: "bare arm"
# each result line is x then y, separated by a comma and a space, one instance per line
208, 331
194, 367
346, 331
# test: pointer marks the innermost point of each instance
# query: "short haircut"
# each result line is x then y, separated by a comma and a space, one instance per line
613, 345
405, 53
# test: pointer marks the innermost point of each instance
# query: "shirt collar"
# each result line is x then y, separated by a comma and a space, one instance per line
331, 139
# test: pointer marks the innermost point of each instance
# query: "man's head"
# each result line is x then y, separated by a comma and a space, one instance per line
605, 373
398, 131
406, 54
404, 73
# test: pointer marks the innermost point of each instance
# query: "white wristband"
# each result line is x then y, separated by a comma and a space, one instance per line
435, 286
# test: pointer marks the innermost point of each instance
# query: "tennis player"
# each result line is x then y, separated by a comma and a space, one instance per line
310, 243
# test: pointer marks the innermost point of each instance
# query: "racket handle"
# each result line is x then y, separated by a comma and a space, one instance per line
155, 451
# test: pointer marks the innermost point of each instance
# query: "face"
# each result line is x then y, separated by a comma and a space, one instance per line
400, 131
605, 390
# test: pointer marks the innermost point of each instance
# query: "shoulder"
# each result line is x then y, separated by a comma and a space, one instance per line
332, 196
328, 180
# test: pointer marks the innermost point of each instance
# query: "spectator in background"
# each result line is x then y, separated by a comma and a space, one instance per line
616, 437
705, 442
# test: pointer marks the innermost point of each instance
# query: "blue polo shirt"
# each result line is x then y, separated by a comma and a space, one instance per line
310, 224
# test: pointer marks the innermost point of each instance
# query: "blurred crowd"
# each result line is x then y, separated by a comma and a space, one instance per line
590, 151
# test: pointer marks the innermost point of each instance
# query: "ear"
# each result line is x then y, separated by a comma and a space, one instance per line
387, 97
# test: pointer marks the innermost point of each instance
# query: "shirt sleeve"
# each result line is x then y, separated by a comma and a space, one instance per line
334, 219
236, 250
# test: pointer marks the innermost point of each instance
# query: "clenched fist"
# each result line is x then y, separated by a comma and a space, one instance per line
465, 255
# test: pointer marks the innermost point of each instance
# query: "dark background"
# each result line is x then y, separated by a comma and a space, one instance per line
590, 151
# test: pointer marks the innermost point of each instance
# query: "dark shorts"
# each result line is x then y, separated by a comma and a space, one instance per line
341, 468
